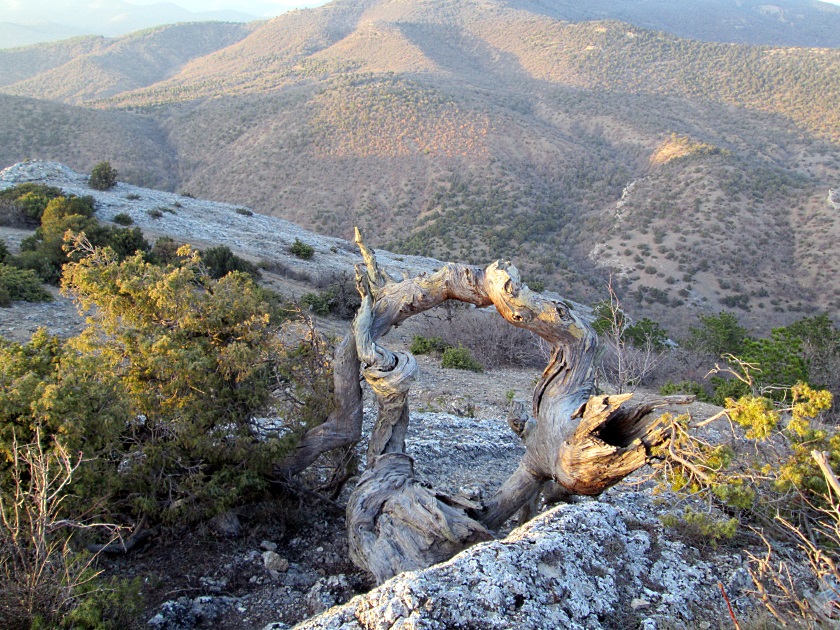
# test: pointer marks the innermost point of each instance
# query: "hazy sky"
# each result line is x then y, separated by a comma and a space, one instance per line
262, 7
256, 7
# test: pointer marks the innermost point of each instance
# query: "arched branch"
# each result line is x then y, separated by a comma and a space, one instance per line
577, 442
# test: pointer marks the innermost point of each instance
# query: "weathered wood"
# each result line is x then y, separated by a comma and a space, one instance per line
576, 442
395, 524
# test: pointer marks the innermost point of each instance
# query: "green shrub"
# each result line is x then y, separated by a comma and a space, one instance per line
124, 241
426, 345
244, 212
646, 331
538, 286
21, 285
767, 470
220, 261
44, 252
161, 389
165, 251
741, 301
103, 176
106, 605
155, 213
25, 203
686, 387
340, 299
302, 250
123, 219
132, 196
726, 388
701, 529
717, 335
460, 358
318, 304
4, 251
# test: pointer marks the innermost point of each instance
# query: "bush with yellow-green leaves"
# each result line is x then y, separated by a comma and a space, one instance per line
160, 391
767, 477
149, 415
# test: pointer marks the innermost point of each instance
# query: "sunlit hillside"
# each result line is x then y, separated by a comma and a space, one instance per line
476, 129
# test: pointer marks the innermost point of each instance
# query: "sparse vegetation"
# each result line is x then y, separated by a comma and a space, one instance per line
302, 250
123, 219
700, 528
460, 358
45, 581
103, 176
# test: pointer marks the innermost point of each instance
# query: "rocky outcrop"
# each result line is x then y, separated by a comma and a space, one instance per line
588, 565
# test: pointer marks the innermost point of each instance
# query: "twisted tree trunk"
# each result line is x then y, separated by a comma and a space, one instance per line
576, 442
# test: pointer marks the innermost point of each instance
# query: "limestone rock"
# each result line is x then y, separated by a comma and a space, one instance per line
328, 592
226, 525
275, 562
575, 566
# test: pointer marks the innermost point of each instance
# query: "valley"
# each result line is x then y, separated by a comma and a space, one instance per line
470, 131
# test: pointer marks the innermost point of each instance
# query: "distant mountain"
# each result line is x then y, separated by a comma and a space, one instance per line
14, 35
41, 129
83, 69
807, 23
36, 21
697, 173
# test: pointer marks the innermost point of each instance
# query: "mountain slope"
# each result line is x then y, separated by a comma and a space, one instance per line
98, 68
473, 129
803, 23
31, 128
36, 21
20, 64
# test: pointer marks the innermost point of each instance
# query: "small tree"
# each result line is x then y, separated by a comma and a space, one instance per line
632, 351
162, 389
302, 250
717, 335
103, 176
220, 261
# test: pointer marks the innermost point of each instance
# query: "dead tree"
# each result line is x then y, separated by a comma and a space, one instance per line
577, 442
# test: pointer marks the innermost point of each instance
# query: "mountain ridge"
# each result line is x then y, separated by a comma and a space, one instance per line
477, 130
39, 21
